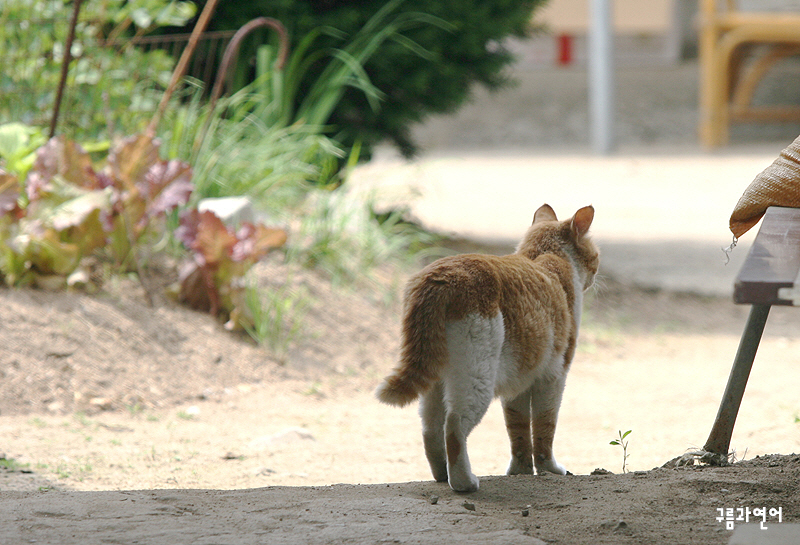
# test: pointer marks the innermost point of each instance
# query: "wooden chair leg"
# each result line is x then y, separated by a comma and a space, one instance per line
719, 440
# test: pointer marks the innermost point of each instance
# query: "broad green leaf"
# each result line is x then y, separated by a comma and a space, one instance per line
17, 144
74, 212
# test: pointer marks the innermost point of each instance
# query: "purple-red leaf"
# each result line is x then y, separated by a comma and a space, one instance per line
253, 242
63, 158
9, 195
167, 185
207, 235
221, 256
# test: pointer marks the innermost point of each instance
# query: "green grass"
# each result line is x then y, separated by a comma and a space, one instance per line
9, 464
340, 235
277, 316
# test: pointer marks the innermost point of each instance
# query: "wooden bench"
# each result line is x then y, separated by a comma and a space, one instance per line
726, 89
770, 276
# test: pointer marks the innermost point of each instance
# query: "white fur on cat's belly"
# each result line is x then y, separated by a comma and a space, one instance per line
473, 347
477, 345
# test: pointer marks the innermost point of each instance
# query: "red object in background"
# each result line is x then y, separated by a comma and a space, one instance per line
564, 46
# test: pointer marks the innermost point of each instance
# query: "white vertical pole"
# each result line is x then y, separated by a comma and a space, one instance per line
601, 76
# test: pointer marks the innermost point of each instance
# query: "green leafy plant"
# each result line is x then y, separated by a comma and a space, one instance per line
18, 142
317, 75
620, 441
341, 235
467, 47
111, 85
66, 209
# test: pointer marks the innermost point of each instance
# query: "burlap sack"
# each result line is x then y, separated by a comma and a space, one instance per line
777, 185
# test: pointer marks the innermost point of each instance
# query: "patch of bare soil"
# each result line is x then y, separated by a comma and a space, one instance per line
223, 441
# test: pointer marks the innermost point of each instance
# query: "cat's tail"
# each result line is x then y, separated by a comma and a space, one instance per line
423, 353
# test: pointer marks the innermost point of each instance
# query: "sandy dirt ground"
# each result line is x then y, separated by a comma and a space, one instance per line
223, 443
121, 423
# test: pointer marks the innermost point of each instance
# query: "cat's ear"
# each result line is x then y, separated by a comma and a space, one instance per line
545, 213
582, 220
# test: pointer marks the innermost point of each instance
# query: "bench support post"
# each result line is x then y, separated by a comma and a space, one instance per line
719, 440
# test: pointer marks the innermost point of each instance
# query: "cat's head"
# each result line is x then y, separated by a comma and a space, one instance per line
569, 238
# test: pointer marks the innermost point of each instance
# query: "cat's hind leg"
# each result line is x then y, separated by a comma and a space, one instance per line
545, 401
517, 412
473, 346
432, 413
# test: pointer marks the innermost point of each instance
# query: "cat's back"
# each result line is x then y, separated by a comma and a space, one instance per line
487, 284
465, 283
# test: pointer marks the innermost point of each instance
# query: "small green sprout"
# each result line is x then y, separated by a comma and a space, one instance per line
624, 444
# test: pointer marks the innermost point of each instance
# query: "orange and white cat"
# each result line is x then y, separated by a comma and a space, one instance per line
480, 326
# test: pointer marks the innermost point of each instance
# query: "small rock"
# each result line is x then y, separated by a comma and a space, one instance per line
434, 500
525, 512
615, 525
601, 471
102, 403
287, 436
231, 210
79, 278
468, 506
207, 393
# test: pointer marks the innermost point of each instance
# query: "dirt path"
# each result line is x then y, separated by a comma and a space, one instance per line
109, 395
660, 506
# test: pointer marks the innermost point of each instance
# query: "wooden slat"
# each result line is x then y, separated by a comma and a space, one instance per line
773, 261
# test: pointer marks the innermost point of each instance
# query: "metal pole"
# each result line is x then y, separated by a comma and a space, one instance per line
601, 76
719, 440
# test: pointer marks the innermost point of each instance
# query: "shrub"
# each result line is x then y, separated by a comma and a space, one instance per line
111, 85
467, 49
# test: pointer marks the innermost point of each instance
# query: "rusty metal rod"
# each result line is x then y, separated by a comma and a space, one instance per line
232, 50
73, 22
183, 63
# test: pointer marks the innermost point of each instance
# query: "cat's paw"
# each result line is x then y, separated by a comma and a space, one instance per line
551, 466
520, 467
465, 483
439, 473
